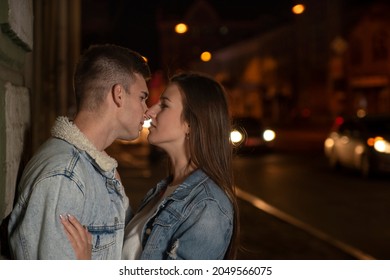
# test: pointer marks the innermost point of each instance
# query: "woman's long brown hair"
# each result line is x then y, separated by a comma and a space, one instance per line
205, 108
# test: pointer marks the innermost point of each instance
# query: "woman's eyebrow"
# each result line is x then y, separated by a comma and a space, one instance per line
164, 98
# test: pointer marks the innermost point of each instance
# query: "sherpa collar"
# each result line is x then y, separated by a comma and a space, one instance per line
66, 130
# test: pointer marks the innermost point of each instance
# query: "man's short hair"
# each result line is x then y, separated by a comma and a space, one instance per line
100, 68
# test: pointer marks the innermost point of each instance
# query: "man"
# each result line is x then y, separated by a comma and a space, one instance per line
71, 173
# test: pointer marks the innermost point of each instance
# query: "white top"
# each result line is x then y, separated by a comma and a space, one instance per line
132, 245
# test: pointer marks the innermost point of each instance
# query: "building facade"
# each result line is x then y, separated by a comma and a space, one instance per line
368, 63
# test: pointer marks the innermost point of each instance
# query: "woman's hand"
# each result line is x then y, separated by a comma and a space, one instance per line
79, 237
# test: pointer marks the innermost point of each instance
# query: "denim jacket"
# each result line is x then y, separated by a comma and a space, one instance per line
68, 175
195, 222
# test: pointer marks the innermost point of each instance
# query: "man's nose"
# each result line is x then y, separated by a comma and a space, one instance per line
145, 107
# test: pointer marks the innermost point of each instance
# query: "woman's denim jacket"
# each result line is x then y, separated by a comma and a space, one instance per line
68, 175
195, 222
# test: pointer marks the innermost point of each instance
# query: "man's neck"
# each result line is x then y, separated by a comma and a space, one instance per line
94, 128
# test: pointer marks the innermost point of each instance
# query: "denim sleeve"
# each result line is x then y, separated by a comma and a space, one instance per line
205, 234
40, 229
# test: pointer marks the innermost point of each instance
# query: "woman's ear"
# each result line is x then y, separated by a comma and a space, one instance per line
188, 128
117, 92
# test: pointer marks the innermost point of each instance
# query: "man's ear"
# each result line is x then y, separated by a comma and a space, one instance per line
117, 93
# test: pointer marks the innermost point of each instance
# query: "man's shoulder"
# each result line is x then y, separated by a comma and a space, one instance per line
55, 159
54, 155
54, 148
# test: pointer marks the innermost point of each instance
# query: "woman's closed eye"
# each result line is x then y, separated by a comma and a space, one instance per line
163, 105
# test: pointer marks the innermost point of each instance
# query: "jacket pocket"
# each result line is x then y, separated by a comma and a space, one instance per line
103, 243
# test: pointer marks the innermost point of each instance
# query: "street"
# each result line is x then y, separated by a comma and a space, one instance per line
292, 205
341, 208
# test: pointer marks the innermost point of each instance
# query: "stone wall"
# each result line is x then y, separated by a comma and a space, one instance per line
16, 21
16, 43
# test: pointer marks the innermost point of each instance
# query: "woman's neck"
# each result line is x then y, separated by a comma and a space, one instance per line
180, 170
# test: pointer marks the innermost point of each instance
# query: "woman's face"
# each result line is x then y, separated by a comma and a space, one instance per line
168, 129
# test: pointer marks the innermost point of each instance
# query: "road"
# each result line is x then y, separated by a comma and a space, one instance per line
340, 208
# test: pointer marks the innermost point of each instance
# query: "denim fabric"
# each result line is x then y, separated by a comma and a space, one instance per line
195, 222
62, 179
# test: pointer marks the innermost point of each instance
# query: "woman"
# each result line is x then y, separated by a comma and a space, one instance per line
192, 214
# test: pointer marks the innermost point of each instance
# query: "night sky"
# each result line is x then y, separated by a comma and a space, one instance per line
133, 23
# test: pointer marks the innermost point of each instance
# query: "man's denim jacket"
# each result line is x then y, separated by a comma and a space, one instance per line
195, 222
68, 176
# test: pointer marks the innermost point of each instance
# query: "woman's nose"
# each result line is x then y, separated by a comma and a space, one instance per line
152, 111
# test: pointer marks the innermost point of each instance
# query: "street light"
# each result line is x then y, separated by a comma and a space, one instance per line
181, 28
298, 9
205, 56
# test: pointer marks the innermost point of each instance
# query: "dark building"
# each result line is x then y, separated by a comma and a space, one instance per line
330, 60
367, 63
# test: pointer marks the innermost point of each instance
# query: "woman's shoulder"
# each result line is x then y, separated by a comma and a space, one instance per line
211, 190
208, 192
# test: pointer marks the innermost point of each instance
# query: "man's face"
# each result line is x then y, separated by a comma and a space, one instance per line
133, 114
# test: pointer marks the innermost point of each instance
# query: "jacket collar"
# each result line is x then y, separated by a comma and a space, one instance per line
196, 178
66, 130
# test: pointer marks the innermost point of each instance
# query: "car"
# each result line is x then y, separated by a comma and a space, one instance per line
361, 144
249, 134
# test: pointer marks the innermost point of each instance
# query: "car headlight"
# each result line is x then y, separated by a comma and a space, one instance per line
269, 135
329, 143
381, 145
236, 137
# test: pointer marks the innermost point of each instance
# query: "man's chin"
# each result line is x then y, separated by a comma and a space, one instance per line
128, 139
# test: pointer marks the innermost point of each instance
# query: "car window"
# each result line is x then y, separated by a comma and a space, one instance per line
346, 128
350, 128
380, 127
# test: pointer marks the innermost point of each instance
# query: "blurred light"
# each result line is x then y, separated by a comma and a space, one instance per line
145, 58
236, 137
339, 45
269, 135
339, 121
181, 28
298, 9
370, 141
224, 30
344, 139
329, 143
205, 56
147, 123
361, 113
359, 150
380, 145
